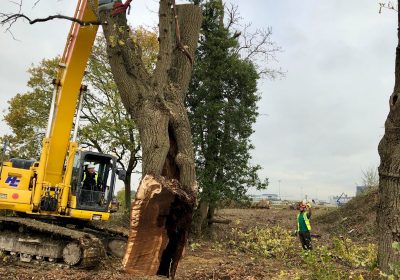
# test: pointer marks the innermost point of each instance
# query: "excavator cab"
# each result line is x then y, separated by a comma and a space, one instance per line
93, 191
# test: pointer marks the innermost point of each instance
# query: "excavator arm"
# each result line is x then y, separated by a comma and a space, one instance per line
68, 87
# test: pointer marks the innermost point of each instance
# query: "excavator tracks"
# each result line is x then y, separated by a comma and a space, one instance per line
30, 238
114, 238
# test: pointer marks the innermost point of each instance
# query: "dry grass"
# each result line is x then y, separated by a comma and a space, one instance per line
214, 257
356, 219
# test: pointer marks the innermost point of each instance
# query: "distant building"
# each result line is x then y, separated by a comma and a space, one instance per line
361, 190
271, 197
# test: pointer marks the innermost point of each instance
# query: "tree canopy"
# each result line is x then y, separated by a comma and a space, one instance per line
105, 127
28, 112
222, 105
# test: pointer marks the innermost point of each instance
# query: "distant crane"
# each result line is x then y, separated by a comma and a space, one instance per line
338, 202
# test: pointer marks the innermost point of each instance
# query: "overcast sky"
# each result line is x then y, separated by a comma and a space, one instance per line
320, 125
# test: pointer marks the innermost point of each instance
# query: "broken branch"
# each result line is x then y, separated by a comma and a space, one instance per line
179, 44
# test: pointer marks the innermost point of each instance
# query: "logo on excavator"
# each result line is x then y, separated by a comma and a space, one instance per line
12, 181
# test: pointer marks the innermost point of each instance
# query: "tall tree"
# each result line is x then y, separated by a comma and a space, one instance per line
389, 177
222, 105
156, 103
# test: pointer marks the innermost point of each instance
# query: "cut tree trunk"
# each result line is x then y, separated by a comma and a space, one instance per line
160, 216
388, 217
163, 208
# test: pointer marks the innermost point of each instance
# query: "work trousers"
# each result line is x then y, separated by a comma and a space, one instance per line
305, 239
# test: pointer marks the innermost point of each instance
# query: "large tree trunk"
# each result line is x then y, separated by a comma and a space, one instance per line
163, 208
388, 217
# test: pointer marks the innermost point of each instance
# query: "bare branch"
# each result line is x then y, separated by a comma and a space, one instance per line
255, 46
12, 35
35, 4
259, 48
12, 18
19, 4
233, 17
389, 5
13, 21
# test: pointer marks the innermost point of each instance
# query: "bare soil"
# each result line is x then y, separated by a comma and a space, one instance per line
208, 258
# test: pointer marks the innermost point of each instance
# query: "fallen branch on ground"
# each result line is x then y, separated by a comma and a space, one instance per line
217, 221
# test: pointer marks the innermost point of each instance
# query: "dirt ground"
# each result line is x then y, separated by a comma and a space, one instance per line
207, 258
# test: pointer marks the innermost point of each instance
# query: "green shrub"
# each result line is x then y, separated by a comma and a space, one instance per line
267, 242
320, 265
341, 261
355, 255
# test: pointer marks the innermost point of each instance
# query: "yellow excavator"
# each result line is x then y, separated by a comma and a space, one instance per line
53, 206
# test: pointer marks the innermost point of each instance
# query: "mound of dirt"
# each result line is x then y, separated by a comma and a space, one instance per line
356, 219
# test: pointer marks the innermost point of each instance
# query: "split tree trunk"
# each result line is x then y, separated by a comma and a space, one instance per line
388, 217
163, 208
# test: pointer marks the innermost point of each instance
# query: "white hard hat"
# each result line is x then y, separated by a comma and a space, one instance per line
91, 166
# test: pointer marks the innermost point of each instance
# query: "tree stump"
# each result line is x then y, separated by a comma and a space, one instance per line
160, 219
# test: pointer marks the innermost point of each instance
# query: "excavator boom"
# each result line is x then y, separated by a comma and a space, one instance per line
72, 67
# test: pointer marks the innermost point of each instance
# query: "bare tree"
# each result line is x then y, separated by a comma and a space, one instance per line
370, 177
255, 45
163, 208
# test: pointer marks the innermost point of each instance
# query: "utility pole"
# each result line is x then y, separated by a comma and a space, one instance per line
279, 182
301, 193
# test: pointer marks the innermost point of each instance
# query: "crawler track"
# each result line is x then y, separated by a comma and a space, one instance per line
114, 238
31, 238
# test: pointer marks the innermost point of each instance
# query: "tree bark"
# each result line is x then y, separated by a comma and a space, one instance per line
161, 214
388, 217
127, 186
200, 218
128, 179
